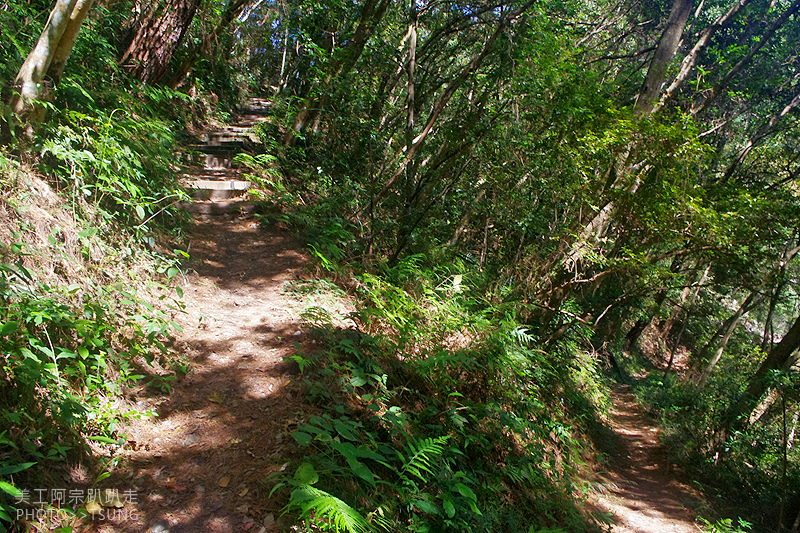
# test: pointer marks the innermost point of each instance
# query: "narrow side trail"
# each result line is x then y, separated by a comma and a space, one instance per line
642, 493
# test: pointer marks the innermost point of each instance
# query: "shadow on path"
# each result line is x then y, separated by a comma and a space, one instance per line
642, 493
200, 464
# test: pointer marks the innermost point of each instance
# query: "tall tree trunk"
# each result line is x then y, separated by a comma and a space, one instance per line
628, 176
233, 9
689, 61
47, 60
759, 137
724, 334
688, 296
447, 94
67, 42
754, 49
157, 37
782, 356
781, 282
371, 15
665, 51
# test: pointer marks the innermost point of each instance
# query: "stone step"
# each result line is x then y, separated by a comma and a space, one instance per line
211, 174
219, 185
218, 161
217, 189
214, 188
219, 208
219, 148
258, 106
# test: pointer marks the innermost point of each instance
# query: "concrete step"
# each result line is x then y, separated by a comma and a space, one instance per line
211, 174
215, 161
219, 148
219, 208
217, 189
257, 106
220, 185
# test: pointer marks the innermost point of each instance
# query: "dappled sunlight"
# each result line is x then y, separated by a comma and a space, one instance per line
201, 463
640, 490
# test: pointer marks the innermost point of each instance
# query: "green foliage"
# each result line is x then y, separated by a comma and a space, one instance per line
725, 525
435, 416
120, 160
58, 353
71, 342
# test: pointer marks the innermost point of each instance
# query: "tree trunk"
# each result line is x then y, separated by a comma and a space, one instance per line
763, 39
690, 60
725, 333
371, 15
665, 51
156, 39
447, 94
781, 282
782, 356
762, 134
628, 178
67, 42
47, 60
231, 12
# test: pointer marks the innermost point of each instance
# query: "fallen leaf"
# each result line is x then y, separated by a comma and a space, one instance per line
224, 481
93, 507
245, 491
216, 397
110, 498
175, 486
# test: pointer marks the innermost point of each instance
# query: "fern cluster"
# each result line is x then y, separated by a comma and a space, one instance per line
435, 414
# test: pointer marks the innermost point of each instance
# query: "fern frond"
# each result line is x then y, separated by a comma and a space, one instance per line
420, 455
339, 516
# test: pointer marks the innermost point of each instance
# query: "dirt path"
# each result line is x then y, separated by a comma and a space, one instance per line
201, 464
642, 493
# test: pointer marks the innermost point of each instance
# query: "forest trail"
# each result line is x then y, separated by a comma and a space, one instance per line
201, 464
642, 492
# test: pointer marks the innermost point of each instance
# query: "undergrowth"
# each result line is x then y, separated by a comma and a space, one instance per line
437, 413
85, 308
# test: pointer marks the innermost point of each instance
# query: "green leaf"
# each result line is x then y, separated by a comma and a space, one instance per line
8, 328
306, 474
172, 272
83, 352
10, 489
140, 212
86, 233
302, 437
426, 507
329, 508
449, 508
100, 438
466, 492
362, 471
344, 430
358, 381
13, 469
